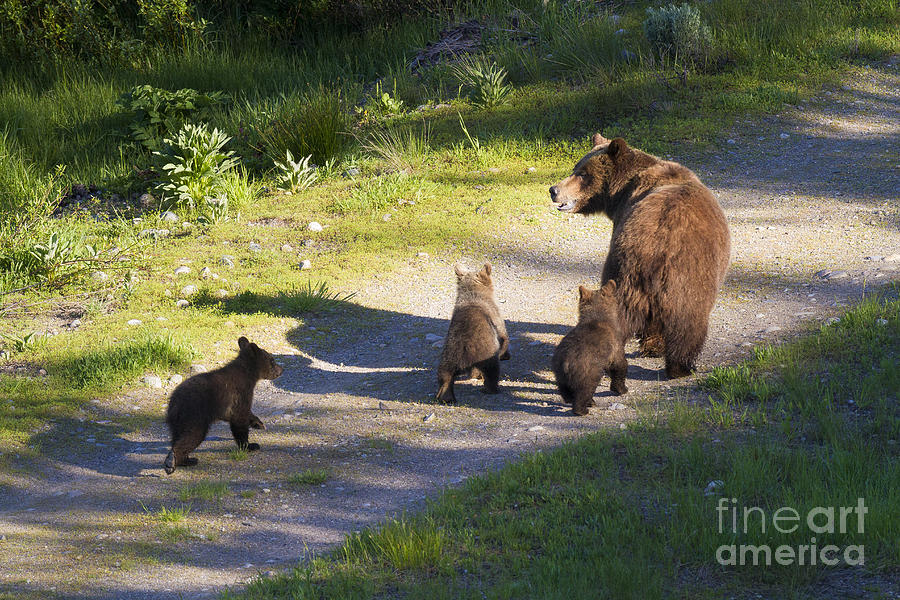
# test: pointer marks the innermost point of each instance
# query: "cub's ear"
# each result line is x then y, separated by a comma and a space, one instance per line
617, 147
459, 270
609, 287
486, 269
254, 348
243, 342
584, 294
598, 140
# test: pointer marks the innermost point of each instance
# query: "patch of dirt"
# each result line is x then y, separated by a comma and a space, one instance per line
813, 189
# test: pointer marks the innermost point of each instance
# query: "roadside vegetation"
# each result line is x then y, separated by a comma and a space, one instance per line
139, 138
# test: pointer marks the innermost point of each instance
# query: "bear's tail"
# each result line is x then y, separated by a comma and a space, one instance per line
170, 463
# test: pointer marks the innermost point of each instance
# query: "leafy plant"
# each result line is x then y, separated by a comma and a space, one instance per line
53, 262
676, 31
23, 343
485, 80
194, 163
381, 103
294, 175
158, 113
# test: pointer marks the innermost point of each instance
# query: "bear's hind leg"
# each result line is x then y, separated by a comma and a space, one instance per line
181, 449
445, 393
618, 370
652, 343
684, 340
583, 400
491, 370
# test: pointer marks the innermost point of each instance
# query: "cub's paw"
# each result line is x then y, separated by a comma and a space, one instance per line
255, 423
253, 447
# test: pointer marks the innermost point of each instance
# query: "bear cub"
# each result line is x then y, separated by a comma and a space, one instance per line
477, 340
594, 345
224, 394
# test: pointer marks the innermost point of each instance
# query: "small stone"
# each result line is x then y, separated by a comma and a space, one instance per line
315, 226
287, 248
189, 290
431, 337
152, 381
99, 276
266, 490
421, 255
531, 170
837, 275
892, 258
429, 417
305, 264
182, 270
784, 136
229, 323
881, 322
441, 105
182, 303
617, 406
438, 345
620, 32
169, 216
137, 221
387, 217
308, 243
351, 172
254, 247
227, 260
205, 273
494, 170
42, 372
746, 345
186, 225
196, 369
222, 293
75, 324
536, 428
168, 293
874, 258
824, 273
713, 486
146, 200
772, 329
732, 141
134, 322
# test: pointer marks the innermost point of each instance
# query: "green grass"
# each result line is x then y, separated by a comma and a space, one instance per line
309, 477
204, 490
625, 514
238, 454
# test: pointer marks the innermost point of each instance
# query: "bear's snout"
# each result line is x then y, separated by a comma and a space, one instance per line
554, 192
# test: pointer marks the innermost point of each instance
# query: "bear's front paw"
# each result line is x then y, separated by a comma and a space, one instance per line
253, 447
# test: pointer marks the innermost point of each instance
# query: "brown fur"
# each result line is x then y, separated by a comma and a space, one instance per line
595, 345
670, 245
225, 394
477, 339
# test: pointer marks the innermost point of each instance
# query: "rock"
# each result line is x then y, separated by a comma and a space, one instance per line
152, 381
227, 260
620, 32
137, 221
713, 487
536, 428
617, 406
205, 273
732, 141
134, 322
421, 255
287, 248
75, 324
146, 200
196, 369
229, 323
881, 322
175, 379
623, 426
182, 270
189, 290
185, 225
892, 258
874, 258
315, 226
431, 337
308, 243
531, 170
351, 172
221, 293
441, 105
387, 217
182, 303
438, 345
784, 136
254, 247
494, 170
824, 273
305, 264
169, 217
42, 372
99, 276
837, 275
427, 418
772, 329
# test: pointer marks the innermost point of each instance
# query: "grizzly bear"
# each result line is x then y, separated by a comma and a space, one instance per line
477, 339
593, 346
669, 250
224, 394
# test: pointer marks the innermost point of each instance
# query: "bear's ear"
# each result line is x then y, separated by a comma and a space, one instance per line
254, 348
609, 287
459, 270
584, 294
243, 342
598, 140
617, 147
486, 269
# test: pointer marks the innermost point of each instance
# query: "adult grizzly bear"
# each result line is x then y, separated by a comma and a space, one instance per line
595, 345
477, 340
225, 394
669, 250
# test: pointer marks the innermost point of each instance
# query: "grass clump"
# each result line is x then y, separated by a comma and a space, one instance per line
126, 361
204, 490
309, 477
387, 191
676, 31
485, 81
238, 454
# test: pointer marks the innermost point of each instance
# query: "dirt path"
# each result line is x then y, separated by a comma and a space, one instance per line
814, 189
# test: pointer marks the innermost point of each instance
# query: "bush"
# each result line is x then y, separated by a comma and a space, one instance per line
485, 81
194, 163
676, 32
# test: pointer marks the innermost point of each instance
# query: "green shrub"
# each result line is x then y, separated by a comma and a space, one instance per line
294, 176
485, 81
158, 113
194, 164
676, 32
